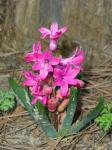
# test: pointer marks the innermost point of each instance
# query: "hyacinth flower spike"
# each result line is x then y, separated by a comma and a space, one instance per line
53, 34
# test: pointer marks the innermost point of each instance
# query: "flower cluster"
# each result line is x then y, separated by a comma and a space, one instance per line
52, 76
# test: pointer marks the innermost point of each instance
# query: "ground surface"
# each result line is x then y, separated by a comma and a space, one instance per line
19, 132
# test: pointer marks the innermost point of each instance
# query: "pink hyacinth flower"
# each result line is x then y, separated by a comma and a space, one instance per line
75, 60
65, 77
54, 34
41, 93
36, 50
34, 82
45, 63
31, 79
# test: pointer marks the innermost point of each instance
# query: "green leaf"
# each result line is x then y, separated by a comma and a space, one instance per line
80, 76
7, 104
87, 119
22, 95
105, 118
7, 100
39, 116
46, 124
70, 110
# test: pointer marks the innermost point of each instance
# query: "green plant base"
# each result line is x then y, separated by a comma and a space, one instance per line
40, 114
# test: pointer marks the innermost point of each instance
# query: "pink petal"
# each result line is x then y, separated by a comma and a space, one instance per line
36, 55
71, 81
33, 55
64, 89
33, 90
63, 30
28, 83
34, 48
54, 28
71, 72
40, 56
65, 61
45, 32
47, 55
28, 74
74, 72
36, 88
57, 82
44, 100
43, 74
80, 53
29, 57
79, 83
57, 73
35, 100
38, 66
49, 68
40, 62
55, 60
55, 36
78, 60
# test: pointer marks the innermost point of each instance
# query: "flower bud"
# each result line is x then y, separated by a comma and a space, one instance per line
52, 104
47, 90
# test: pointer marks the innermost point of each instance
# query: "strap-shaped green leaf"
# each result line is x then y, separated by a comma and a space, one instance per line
87, 119
70, 110
22, 95
39, 115
44, 119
